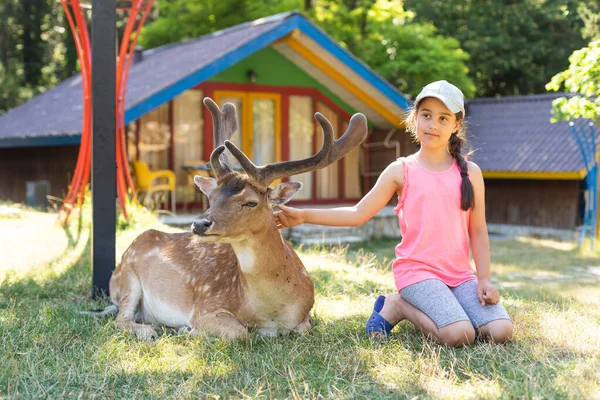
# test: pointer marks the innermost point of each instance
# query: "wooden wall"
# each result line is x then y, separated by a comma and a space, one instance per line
379, 157
547, 203
19, 165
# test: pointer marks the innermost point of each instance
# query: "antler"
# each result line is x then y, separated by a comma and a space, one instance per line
224, 126
330, 152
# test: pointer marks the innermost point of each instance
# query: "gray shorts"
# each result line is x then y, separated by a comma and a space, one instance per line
446, 305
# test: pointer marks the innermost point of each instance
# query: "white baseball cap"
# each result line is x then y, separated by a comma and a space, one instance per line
447, 93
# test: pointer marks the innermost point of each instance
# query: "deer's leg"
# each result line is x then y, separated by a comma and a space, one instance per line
304, 326
129, 302
221, 323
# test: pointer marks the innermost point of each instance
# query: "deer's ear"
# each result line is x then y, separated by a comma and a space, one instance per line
284, 192
206, 185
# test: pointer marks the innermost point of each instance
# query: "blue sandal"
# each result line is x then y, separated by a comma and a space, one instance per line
376, 322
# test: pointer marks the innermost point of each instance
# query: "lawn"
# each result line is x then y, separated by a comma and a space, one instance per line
49, 351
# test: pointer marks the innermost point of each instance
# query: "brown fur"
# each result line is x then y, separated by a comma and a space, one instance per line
234, 271
195, 281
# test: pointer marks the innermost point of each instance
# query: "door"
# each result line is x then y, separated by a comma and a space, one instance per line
259, 124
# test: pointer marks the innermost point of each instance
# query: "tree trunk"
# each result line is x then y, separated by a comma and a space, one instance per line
33, 45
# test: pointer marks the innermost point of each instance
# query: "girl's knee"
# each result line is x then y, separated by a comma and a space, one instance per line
498, 331
457, 334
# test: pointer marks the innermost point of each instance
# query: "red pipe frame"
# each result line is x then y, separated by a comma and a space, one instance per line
81, 177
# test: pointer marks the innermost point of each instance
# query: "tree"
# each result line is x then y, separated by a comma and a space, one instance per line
188, 19
381, 32
36, 49
590, 14
583, 78
515, 46
408, 54
34, 44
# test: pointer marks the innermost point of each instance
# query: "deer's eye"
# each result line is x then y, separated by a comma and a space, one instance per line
251, 204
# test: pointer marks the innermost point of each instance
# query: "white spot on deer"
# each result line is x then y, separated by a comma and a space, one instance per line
270, 331
192, 311
157, 311
190, 279
154, 252
205, 288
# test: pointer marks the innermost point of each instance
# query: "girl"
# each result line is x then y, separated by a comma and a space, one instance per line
441, 209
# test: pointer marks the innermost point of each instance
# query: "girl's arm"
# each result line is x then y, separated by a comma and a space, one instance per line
480, 241
389, 182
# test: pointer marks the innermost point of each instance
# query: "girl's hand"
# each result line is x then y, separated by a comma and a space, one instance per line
487, 293
288, 217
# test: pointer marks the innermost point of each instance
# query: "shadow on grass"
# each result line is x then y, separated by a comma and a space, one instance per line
329, 283
326, 363
73, 240
529, 365
336, 359
526, 269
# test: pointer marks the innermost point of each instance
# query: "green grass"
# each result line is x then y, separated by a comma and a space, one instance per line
49, 351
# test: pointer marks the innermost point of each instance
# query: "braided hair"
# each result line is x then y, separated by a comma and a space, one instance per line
457, 141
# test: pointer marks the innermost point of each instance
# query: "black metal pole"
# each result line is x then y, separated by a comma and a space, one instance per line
104, 170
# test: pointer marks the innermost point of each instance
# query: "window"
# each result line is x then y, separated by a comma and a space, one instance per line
155, 138
301, 130
187, 138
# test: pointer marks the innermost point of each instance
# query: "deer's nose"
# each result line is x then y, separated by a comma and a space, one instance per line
201, 226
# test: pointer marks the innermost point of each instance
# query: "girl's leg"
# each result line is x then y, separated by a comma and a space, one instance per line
458, 333
491, 321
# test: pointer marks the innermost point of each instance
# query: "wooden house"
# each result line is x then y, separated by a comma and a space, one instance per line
278, 71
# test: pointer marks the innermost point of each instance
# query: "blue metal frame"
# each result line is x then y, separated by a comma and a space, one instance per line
587, 147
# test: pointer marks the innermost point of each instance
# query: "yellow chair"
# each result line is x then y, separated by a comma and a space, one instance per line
150, 182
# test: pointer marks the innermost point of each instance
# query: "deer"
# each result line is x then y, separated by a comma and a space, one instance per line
233, 271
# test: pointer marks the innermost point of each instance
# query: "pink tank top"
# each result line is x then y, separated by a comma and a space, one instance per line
435, 231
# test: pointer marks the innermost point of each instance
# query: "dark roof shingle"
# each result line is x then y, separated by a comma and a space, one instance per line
514, 134
59, 111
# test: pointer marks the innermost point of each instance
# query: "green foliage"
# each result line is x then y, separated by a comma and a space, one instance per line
35, 49
515, 46
582, 77
380, 32
590, 14
188, 19
408, 54
489, 47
